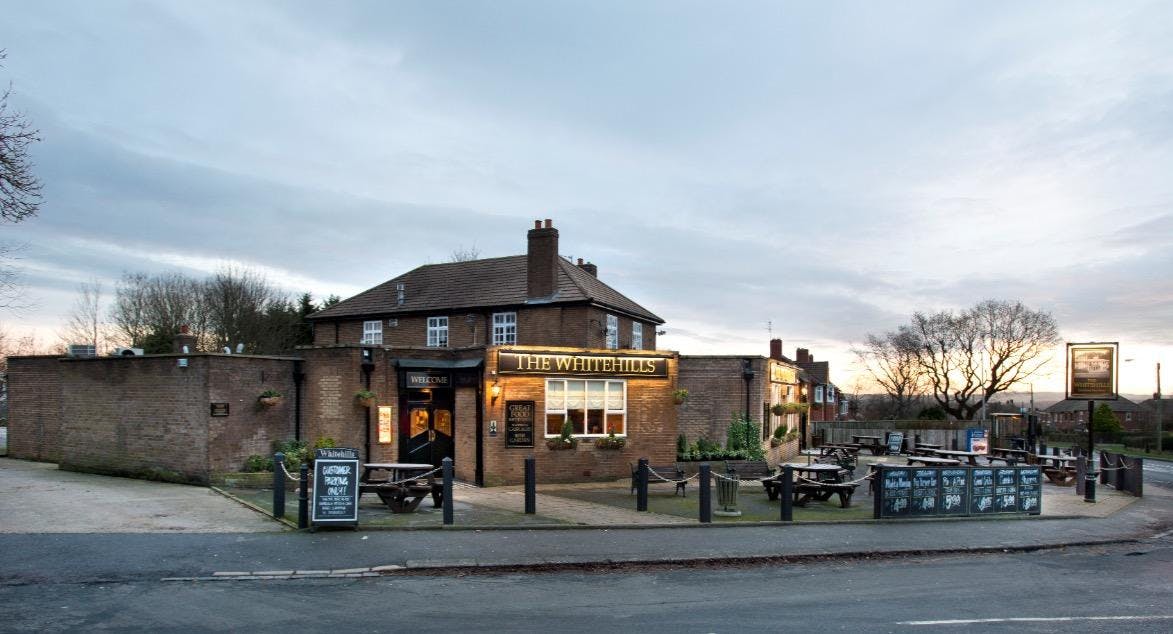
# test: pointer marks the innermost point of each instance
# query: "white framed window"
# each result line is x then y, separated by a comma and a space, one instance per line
818, 394
612, 332
437, 332
504, 328
637, 335
593, 407
830, 393
372, 332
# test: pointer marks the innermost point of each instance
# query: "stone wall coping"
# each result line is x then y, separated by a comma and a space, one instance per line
173, 355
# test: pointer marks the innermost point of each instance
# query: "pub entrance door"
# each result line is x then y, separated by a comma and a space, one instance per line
426, 426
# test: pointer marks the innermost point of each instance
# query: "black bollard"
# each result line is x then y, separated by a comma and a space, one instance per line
641, 489
1089, 487
531, 485
447, 466
706, 494
303, 497
278, 485
787, 493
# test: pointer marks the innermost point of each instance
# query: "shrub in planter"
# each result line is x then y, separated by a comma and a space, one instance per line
256, 463
679, 396
565, 439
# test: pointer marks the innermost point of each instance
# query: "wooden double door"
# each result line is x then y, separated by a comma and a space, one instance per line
427, 427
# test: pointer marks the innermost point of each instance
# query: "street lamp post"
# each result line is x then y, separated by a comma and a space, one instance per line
1160, 412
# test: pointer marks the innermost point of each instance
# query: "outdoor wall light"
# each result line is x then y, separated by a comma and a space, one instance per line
495, 392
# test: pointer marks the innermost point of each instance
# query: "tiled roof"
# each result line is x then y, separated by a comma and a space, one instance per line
479, 284
1071, 405
818, 370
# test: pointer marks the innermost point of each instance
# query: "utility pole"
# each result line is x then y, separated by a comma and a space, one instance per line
1160, 408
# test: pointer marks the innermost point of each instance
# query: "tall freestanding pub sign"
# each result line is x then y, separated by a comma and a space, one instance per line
1091, 377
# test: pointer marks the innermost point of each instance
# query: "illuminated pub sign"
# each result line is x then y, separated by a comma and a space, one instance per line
782, 374
1091, 371
581, 364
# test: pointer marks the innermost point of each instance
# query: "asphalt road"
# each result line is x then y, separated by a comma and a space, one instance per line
1158, 472
1115, 589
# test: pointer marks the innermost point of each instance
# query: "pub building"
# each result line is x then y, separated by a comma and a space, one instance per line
775, 391
483, 361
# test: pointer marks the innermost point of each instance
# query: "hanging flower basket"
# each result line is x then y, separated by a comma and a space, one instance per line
679, 396
269, 398
365, 398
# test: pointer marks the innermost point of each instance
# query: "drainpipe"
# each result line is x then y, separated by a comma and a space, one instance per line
368, 364
747, 374
298, 377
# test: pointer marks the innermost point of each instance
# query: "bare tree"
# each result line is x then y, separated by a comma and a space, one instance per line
461, 254
20, 191
891, 359
149, 310
85, 323
967, 358
242, 308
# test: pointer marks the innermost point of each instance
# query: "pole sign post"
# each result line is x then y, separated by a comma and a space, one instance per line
1091, 377
335, 500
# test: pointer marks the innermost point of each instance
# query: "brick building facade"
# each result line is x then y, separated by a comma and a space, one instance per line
173, 417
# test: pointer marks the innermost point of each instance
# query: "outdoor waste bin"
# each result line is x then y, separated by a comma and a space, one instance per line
727, 496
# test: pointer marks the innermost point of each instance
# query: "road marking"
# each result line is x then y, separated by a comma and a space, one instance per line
1040, 619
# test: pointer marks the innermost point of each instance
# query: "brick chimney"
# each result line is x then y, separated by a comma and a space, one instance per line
588, 267
803, 355
776, 349
542, 261
183, 338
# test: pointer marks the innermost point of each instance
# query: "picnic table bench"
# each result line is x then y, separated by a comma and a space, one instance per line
1062, 476
933, 461
755, 470
873, 443
671, 473
396, 486
821, 482
400, 498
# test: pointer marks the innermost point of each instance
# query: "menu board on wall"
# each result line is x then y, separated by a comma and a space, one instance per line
958, 491
335, 499
896, 492
519, 423
925, 484
954, 491
1030, 492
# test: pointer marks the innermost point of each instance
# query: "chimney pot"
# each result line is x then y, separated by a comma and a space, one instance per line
537, 224
549, 224
580, 261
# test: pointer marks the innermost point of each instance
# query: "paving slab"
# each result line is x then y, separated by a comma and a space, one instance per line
40, 498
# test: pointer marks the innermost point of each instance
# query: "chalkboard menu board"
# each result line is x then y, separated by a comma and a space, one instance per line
925, 484
1030, 492
935, 491
895, 442
954, 491
897, 492
981, 491
519, 423
335, 486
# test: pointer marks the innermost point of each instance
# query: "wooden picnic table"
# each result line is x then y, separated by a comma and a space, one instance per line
399, 491
874, 443
932, 461
926, 445
968, 456
821, 482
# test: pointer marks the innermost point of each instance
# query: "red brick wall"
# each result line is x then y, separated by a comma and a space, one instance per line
34, 408
329, 410
250, 428
651, 430
566, 326
148, 417
716, 391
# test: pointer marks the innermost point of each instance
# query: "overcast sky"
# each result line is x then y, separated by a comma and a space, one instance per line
827, 167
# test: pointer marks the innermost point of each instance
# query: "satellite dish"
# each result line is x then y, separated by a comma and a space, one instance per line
239, 348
